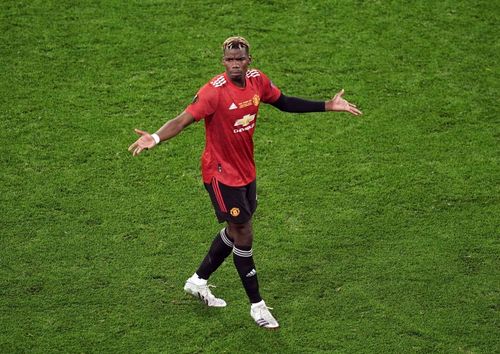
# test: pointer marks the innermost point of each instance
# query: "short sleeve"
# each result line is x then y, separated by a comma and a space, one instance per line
270, 93
204, 103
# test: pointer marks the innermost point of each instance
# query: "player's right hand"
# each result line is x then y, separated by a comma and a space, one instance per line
145, 141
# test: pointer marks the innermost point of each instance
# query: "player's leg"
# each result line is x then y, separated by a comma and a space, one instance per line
245, 265
242, 233
221, 247
222, 244
197, 284
243, 258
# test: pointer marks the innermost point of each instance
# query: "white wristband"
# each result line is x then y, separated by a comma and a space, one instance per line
156, 138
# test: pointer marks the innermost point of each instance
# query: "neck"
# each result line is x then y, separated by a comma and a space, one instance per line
240, 82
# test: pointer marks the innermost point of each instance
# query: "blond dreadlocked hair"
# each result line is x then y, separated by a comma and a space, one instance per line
236, 42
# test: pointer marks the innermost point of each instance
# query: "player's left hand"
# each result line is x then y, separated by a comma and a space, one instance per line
339, 104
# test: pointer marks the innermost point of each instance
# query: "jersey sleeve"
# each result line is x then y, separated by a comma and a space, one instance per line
204, 103
270, 93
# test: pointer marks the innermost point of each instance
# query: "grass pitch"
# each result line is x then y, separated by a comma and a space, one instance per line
374, 234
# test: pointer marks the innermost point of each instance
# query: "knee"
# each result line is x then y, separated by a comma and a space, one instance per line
241, 233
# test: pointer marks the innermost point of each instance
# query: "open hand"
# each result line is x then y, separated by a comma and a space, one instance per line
145, 141
339, 104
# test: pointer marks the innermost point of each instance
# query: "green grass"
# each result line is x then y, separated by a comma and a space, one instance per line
374, 234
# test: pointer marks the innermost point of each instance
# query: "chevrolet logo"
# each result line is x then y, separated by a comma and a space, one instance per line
247, 119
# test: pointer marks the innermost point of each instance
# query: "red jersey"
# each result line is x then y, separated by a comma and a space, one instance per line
230, 114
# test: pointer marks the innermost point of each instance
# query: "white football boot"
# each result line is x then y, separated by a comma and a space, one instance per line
204, 294
262, 316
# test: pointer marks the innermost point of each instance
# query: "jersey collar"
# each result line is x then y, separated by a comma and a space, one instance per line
228, 80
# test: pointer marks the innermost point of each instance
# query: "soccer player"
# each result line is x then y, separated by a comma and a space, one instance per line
229, 104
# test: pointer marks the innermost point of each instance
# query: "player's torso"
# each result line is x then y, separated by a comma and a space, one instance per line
228, 153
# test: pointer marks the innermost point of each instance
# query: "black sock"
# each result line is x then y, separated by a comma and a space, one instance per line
245, 266
221, 247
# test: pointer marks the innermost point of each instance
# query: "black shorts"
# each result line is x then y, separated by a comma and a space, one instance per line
233, 204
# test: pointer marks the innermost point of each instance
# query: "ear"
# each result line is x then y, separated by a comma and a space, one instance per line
249, 59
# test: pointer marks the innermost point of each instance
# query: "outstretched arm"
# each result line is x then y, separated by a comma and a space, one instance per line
167, 131
300, 105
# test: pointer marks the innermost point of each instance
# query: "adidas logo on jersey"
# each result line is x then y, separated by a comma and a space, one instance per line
232, 106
